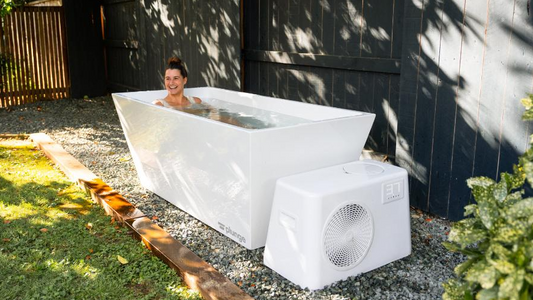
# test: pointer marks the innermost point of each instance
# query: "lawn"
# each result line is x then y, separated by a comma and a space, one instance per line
55, 244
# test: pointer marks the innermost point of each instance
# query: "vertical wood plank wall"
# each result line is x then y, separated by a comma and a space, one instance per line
140, 36
33, 54
121, 40
443, 77
85, 48
465, 66
337, 53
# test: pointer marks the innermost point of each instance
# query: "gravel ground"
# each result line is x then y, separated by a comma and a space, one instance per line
89, 129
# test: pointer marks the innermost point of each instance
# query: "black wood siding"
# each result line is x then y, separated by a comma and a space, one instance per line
443, 77
337, 53
140, 36
465, 66
85, 50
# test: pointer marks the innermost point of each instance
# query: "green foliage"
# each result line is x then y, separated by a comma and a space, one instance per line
6, 6
54, 244
497, 238
16, 79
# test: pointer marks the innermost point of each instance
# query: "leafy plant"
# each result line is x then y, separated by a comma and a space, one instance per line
16, 80
6, 6
498, 238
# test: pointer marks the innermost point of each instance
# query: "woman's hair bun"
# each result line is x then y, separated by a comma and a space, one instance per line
174, 60
174, 63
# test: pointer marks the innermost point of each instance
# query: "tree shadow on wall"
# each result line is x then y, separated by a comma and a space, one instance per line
461, 81
204, 34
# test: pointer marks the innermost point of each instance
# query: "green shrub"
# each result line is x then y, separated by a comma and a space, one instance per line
6, 6
16, 81
498, 237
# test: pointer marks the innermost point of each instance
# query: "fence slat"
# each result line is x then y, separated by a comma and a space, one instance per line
3, 71
42, 52
33, 40
9, 45
64, 71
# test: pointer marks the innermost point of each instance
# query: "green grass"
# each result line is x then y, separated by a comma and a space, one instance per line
54, 244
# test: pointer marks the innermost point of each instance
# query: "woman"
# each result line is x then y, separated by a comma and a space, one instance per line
175, 81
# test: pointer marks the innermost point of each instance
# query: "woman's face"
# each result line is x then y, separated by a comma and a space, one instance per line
174, 81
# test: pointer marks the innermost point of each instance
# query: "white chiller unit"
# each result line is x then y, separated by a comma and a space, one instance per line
332, 223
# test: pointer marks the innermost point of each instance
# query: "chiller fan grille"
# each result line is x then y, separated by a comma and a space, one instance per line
348, 235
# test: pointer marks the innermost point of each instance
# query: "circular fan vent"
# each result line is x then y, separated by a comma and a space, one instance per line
348, 235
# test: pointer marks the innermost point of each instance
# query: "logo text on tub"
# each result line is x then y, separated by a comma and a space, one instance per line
231, 232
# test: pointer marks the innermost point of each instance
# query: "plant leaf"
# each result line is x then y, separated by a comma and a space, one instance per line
462, 267
527, 102
529, 278
528, 115
454, 290
512, 285
470, 209
122, 260
525, 294
503, 266
451, 246
500, 250
479, 181
509, 234
521, 209
528, 169
513, 198
482, 273
465, 232
488, 294
488, 212
501, 189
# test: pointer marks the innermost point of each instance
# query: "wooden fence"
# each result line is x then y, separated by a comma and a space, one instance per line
33, 56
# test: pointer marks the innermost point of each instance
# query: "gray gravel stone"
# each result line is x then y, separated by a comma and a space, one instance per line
89, 129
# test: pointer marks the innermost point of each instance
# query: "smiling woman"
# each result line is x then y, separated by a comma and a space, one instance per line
175, 81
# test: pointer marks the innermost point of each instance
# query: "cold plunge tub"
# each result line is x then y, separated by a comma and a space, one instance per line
225, 175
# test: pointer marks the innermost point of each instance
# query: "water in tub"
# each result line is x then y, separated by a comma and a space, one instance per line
240, 115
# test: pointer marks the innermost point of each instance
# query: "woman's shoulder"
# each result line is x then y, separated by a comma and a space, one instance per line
193, 100
160, 102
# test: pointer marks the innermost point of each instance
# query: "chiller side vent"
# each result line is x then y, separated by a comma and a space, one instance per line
348, 236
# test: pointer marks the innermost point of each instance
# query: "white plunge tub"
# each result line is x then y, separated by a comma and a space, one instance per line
225, 175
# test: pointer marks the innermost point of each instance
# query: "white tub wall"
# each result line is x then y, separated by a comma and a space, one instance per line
301, 148
202, 167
